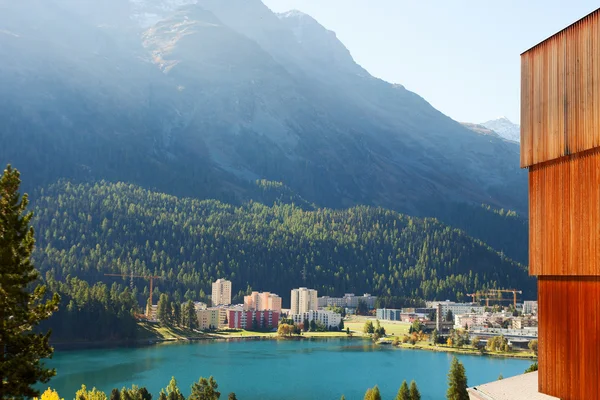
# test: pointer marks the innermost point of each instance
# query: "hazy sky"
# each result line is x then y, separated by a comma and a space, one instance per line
461, 56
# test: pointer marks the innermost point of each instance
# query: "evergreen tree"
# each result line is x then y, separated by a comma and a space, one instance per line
373, 394
176, 312
305, 325
435, 336
162, 311
205, 389
232, 396
414, 391
403, 392
115, 394
191, 318
457, 381
21, 309
144, 394
94, 394
172, 391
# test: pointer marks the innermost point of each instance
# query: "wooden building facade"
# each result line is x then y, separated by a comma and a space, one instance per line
560, 144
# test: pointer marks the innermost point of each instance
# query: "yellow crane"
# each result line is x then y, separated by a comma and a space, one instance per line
498, 293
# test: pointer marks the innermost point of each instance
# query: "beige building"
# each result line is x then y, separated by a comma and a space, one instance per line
303, 300
221, 292
262, 301
211, 318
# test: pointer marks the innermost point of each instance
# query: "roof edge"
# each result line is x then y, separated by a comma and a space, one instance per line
562, 30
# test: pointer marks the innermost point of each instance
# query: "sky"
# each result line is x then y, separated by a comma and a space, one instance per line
461, 56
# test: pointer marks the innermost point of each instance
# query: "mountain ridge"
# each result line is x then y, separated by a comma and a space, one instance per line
208, 101
505, 128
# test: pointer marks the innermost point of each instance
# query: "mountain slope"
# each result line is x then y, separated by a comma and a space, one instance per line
91, 229
505, 128
217, 95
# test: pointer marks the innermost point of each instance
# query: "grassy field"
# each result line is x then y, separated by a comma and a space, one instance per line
393, 328
149, 330
426, 345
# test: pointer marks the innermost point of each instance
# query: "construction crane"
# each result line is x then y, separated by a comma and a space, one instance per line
131, 276
499, 292
474, 297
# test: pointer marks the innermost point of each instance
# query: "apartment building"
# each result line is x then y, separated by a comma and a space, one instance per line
389, 314
244, 319
260, 301
303, 300
327, 318
456, 308
349, 301
221, 292
524, 322
530, 307
211, 318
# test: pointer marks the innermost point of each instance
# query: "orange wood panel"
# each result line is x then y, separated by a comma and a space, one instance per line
560, 93
564, 223
569, 333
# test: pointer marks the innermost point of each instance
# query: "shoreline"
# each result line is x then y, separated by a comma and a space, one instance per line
472, 352
74, 346
88, 345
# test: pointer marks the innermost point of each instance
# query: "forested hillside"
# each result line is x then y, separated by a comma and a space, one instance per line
86, 230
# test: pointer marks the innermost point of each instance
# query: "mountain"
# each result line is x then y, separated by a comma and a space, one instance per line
86, 230
505, 128
202, 100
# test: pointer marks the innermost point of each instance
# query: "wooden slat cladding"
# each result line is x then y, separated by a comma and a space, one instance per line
569, 331
560, 93
564, 209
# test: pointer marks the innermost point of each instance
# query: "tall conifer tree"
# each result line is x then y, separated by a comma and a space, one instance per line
457, 382
22, 307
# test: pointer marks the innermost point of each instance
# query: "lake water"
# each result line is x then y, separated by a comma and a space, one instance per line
273, 370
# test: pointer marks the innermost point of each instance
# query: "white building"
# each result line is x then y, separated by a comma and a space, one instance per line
456, 308
327, 318
530, 307
303, 300
221, 292
349, 301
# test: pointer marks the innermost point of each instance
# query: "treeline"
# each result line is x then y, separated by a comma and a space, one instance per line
87, 230
92, 312
204, 389
504, 230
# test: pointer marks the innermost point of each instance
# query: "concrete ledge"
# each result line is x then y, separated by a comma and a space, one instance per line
520, 387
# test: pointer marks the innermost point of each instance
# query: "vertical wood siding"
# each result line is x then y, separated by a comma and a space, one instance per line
569, 331
560, 93
564, 211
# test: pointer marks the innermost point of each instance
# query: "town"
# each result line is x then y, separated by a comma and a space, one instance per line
505, 329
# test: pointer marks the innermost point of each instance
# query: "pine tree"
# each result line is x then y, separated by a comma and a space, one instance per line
414, 391
205, 389
191, 318
403, 392
457, 381
373, 394
21, 309
162, 311
172, 391
115, 394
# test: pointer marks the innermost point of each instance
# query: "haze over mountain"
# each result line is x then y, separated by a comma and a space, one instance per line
215, 95
505, 128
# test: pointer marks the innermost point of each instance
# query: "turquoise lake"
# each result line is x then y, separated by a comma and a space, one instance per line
270, 369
